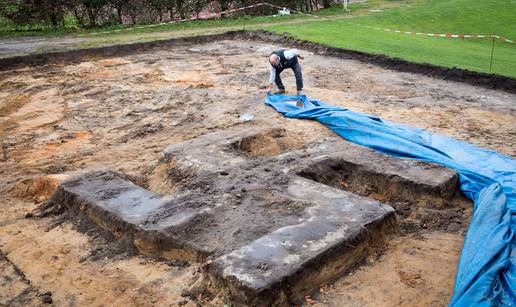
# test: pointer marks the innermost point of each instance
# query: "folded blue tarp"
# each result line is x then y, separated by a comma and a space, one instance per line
486, 273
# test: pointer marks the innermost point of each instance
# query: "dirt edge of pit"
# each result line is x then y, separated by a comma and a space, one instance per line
490, 81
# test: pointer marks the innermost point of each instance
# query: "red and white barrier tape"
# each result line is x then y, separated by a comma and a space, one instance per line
299, 12
443, 35
218, 14
504, 39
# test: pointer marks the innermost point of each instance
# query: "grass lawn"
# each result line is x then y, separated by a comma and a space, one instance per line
236, 19
433, 16
349, 30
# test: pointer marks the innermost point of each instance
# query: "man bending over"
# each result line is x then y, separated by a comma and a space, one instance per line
280, 60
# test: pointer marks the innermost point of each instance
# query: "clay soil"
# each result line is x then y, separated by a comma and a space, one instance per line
119, 113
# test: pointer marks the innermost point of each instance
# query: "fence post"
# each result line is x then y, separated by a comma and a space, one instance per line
492, 53
263, 14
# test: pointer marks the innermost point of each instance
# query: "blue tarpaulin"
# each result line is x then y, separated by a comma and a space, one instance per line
486, 273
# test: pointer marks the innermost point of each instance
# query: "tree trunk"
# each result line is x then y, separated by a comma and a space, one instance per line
119, 14
79, 18
92, 16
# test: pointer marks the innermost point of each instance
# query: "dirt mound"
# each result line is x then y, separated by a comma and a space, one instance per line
270, 143
167, 177
36, 189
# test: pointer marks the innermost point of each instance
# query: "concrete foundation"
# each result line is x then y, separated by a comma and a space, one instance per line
273, 226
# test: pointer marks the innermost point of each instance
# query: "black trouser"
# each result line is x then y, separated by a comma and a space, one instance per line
297, 72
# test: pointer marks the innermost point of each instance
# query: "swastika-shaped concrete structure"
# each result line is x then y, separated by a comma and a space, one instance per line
269, 228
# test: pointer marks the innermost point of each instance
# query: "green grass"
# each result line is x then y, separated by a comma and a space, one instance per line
348, 30
40, 30
9, 29
6, 28
235, 20
433, 16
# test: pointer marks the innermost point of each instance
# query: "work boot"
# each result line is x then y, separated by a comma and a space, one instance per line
280, 91
300, 93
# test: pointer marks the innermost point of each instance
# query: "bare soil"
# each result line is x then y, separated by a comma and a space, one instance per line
119, 113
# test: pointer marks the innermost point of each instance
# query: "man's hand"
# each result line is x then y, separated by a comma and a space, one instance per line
269, 88
301, 57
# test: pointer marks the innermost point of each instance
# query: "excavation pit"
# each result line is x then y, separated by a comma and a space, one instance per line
269, 143
379, 180
225, 187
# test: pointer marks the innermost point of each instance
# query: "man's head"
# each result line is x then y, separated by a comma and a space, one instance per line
274, 59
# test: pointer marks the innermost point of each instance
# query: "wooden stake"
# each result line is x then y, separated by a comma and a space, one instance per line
492, 53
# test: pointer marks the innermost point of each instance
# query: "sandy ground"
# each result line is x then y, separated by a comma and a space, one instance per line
120, 113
